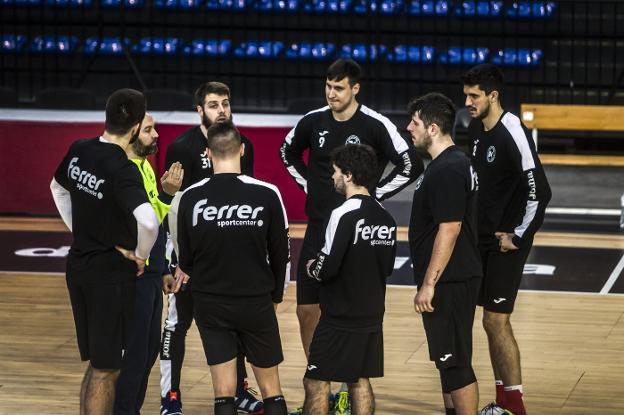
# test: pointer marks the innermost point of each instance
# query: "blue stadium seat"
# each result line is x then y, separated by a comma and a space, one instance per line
390, 7
362, 52
131, 4
107, 45
177, 4
528, 57
365, 6
156, 46
276, 5
12, 43
21, 3
231, 5
411, 54
464, 56
481, 8
330, 6
61, 45
261, 49
520, 57
208, 47
531, 9
322, 51
69, 3
427, 7
299, 51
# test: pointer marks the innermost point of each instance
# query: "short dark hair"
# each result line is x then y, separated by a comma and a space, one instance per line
342, 68
125, 108
212, 87
487, 76
357, 159
434, 108
223, 139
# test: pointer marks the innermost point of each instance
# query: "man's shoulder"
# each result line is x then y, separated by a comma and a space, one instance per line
187, 138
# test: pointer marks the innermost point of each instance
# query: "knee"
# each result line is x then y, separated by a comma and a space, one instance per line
104, 375
457, 377
494, 322
315, 387
308, 313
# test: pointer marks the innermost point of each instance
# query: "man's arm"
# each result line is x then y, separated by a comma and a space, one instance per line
247, 161
278, 247
291, 152
526, 214
62, 200
443, 246
407, 165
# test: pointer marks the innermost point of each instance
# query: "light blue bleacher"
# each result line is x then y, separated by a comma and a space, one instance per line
532, 9
361, 52
517, 57
411, 54
157, 46
208, 47
130, 4
107, 45
54, 45
311, 51
259, 49
479, 8
232, 5
266, 6
464, 56
12, 43
427, 7
177, 4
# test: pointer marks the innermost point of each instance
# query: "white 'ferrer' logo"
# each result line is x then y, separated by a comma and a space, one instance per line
377, 234
87, 182
227, 215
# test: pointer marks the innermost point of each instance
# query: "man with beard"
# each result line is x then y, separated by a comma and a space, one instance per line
101, 199
357, 257
443, 248
190, 149
343, 121
144, 342
513, 196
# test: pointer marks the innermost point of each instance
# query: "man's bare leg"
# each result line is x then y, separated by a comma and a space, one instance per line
362, 397
99, 395
308, 316
316, 392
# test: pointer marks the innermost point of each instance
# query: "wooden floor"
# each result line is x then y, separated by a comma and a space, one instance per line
572, 347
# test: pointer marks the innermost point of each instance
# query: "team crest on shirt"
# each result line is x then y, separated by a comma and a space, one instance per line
353, 139
491, 154
420, 180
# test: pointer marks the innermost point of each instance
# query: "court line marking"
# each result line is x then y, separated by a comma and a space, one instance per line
613, 277
583, 211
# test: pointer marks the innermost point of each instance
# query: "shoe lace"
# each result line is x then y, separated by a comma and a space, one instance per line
343, 401
252, 391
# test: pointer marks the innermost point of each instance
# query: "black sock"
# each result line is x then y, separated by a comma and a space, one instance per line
450, 411
275, 405
224, 406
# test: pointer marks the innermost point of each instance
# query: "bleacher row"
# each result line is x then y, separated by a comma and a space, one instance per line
528, 9
65, 45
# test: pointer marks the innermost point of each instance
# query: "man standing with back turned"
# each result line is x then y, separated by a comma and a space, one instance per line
343, 121
513, 196
231, 234
100, 196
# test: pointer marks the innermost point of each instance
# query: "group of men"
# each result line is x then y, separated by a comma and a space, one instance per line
227, 260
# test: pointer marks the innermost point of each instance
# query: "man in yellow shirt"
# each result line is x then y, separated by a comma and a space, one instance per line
143, 343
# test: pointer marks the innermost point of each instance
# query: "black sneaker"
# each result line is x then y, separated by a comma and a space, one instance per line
171, 404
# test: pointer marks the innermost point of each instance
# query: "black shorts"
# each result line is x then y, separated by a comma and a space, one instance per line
103, 314
308, 289
502, 274
449, 326
341, 355
223, 327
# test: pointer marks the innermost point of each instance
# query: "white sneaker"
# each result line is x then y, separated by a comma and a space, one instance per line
493, 409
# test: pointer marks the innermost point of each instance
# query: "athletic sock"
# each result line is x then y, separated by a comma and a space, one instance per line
275, 405
224, 406
450, 411
500, 393
513, 399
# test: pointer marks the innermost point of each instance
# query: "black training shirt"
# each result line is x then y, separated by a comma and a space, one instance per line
232, 237
358, 256
190, 149
446, 192
513, 190
319, 132
105, 188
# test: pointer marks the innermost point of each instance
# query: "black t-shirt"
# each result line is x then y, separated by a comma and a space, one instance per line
105, 188
190, 149
320, 132
446, 192
357, 257
232, 237
513, 189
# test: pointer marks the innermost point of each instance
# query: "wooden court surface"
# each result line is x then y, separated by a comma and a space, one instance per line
572, 348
